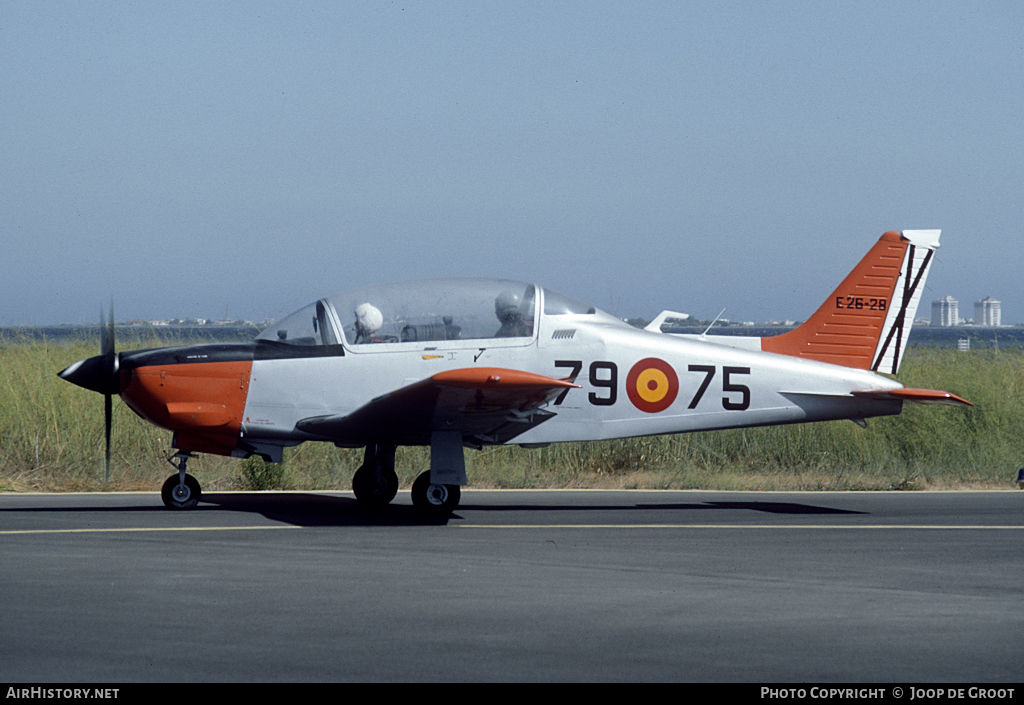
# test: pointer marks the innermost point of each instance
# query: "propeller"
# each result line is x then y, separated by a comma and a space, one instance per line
100, 374
110, 365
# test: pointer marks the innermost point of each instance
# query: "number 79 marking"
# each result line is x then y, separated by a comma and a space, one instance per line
604, 375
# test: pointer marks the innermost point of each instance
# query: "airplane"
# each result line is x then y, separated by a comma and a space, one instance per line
456, 363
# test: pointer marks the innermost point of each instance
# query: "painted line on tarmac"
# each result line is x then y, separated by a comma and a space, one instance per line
930, 527
787, 527
147, 529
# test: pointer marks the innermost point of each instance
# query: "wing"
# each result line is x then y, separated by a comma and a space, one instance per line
488, 404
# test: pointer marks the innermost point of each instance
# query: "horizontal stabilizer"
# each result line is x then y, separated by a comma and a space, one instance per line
918, 396
655, 325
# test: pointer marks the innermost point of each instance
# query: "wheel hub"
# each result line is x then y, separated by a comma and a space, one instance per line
181, 493
437, 495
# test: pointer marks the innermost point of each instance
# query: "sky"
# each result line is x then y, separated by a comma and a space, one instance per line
242, 159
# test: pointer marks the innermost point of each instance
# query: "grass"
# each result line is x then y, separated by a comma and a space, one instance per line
51, 439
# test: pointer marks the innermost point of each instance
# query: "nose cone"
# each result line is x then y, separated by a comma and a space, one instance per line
97, 374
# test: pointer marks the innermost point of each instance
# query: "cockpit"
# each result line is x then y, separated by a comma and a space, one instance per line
433, 310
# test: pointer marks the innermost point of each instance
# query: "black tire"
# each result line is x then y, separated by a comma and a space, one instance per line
434, 499
374, 491
176, 496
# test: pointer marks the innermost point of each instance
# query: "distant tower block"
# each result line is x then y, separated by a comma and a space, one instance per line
945, 312
988, 312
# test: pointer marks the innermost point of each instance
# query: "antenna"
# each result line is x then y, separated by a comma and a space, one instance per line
712, 323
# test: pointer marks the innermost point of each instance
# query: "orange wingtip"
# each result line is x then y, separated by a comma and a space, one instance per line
496, 377
918, 396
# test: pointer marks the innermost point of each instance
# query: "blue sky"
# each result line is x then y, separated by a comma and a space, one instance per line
243, 158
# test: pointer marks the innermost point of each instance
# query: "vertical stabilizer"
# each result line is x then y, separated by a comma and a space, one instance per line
866, 322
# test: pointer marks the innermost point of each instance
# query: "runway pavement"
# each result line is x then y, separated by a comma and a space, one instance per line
516, 586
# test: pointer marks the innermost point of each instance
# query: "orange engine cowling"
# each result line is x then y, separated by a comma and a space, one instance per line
202, 402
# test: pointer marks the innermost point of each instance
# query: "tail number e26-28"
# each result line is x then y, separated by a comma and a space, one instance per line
861, 303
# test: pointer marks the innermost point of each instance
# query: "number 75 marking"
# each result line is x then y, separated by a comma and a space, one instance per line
728, 387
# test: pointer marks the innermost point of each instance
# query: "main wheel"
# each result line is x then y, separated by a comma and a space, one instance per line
372, 489
178, 496
434, 499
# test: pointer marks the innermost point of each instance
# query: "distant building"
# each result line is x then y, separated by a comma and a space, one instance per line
945, 312
988, 312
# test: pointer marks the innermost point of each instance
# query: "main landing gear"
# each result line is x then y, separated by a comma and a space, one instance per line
376, 484
432, 498
181, 491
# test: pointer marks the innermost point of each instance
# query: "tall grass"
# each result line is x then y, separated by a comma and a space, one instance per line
51, 432
51, 438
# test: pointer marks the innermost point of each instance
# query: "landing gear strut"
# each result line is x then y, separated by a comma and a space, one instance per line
376, 482
181, 491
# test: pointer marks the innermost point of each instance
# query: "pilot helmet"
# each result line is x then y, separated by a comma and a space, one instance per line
368, 318
506, 306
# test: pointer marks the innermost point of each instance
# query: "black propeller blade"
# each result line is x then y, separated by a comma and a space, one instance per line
100, 374
107, 350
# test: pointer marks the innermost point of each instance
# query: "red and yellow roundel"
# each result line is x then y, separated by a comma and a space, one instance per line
652, 385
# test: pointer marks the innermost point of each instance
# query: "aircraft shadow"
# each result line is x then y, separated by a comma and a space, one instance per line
326, 510
303, 509
299, 509
768, 507
313, 509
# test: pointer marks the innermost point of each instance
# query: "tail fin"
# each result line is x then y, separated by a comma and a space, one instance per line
866, 322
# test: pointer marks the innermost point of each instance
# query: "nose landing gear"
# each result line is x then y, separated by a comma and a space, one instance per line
181, 491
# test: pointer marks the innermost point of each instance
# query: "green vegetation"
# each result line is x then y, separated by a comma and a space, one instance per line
257, 474
51, 438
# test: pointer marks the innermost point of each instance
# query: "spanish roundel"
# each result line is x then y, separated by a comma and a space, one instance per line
652, 385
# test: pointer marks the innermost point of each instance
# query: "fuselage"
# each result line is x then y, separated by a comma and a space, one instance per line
248, 398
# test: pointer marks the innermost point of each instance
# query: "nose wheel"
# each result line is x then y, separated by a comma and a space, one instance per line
434, 499
181, 490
